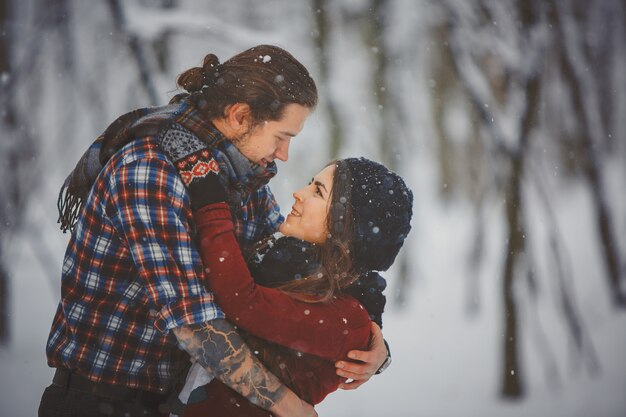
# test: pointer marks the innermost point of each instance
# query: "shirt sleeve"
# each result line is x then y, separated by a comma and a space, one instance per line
148, 200
328, 330
273, 218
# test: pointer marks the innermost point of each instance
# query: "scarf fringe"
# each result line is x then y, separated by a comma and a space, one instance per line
69, 206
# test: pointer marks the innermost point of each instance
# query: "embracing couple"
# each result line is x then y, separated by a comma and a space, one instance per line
185, 292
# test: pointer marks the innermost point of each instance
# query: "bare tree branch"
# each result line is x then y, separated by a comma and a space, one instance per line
514, 103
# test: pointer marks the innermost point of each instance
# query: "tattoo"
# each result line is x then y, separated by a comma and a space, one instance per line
218, 347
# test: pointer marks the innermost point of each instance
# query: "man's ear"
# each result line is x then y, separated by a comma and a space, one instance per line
239, 117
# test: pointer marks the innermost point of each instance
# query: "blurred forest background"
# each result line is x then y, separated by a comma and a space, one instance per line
506, 117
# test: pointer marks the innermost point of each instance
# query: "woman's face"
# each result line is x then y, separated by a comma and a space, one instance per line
307, 219
270, 140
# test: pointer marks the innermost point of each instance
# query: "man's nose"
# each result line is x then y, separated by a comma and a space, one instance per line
282, 151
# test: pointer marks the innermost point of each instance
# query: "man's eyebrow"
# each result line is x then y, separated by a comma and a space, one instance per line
319, 184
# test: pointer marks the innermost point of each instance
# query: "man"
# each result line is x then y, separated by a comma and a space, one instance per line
134, 300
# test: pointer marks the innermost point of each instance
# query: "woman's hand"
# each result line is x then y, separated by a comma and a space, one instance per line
365, 363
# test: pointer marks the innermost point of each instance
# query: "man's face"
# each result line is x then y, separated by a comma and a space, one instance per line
270, 140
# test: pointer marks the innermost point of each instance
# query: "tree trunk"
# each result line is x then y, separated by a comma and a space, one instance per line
375, 42
8, 110
161, 45
8, 121
590, 144
321, 43
4, 306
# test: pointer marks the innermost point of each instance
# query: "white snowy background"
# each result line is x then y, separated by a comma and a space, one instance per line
73, 69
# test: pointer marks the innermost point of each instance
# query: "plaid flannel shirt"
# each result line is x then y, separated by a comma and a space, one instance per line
131, 272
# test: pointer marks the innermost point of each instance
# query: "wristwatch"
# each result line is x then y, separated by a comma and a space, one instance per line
387, 362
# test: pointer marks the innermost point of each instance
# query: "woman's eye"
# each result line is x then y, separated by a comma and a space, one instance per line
318, 191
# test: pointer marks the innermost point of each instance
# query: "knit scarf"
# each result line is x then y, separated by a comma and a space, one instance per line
188, 140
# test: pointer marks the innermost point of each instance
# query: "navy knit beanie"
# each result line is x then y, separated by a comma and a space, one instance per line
382, 206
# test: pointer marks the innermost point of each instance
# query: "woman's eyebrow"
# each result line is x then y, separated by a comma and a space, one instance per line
319, 184
287, 133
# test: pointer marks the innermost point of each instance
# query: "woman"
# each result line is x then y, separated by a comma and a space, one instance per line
351, 219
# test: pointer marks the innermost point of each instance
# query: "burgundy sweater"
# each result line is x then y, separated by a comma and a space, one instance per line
322, 332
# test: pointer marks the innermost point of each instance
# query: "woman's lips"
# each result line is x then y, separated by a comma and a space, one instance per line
294, 212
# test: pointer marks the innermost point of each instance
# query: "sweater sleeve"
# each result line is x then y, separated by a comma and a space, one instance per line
145, 206
328, 330
313, 378
317, 381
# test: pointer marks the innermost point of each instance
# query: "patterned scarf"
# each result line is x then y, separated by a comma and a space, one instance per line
181, 132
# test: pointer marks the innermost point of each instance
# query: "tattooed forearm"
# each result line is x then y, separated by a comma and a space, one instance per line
217, 346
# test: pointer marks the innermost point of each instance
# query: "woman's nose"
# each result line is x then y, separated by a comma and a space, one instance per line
297, 195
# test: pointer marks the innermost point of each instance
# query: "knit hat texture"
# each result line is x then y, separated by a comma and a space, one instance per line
382, 207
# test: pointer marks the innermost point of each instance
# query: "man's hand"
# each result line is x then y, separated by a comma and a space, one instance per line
365, 363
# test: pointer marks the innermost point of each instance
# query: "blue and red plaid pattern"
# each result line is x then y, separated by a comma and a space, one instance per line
131, 272
257, 218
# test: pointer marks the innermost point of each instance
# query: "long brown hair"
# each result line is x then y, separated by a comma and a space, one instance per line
265, 77
337, 269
